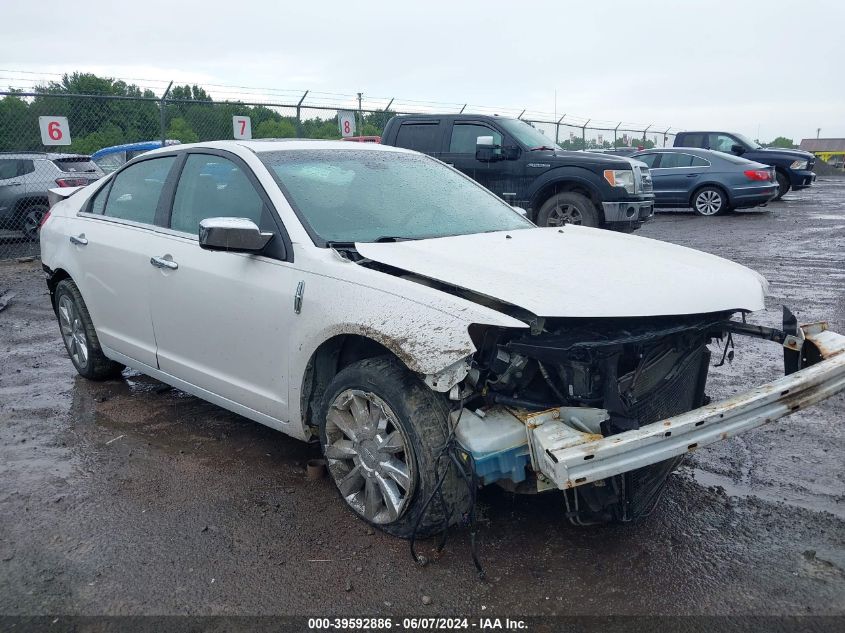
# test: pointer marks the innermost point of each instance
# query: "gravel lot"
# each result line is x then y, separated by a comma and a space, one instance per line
128, 497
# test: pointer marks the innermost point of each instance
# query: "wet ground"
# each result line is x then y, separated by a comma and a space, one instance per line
128, 497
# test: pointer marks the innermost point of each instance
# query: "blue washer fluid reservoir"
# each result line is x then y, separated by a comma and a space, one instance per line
497, 441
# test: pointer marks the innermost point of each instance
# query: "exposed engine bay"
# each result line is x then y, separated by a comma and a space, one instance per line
604, 408
637, 371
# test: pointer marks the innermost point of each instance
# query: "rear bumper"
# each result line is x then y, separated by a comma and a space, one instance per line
752, 197
568, 458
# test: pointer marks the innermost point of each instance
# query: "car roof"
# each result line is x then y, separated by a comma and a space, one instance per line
695, 151
128, 147
260, 146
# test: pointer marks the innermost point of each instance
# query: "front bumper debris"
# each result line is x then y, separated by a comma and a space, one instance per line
565, 457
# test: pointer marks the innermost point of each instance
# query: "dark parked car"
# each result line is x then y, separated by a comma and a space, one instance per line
794, 168
709, 182
527, 169
25, 178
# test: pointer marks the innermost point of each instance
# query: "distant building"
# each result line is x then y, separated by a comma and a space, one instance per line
830, 150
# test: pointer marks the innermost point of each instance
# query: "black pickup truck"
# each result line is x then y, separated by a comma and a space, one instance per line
793, 168
521, 165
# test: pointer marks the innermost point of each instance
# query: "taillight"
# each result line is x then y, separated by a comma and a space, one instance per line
44, 220
757, 174
71, 182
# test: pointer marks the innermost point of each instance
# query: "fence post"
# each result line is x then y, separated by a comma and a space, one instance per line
615, 130
645, 131
557, 129
665, 135
584, 134
298, 118
163, 123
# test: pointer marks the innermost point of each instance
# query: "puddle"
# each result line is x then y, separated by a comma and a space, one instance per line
808, 501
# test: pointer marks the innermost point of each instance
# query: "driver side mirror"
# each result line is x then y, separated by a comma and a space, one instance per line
486, 151
737, 149
239, 235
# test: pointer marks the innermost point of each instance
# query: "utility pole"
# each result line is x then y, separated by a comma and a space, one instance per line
818, 131
360, 115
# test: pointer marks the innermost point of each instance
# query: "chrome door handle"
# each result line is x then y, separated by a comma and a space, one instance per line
693, 175
161, 262
79, 240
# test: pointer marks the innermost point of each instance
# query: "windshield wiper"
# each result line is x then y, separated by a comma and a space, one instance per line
394, 238
541, 147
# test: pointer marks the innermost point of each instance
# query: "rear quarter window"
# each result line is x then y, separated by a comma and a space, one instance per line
691, 140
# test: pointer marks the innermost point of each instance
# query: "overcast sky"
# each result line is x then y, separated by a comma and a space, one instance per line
769, 68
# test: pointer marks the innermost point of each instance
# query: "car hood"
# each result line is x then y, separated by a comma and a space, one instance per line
795, 154
579, 272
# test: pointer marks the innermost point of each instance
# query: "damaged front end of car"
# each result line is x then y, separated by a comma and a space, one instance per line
605, 409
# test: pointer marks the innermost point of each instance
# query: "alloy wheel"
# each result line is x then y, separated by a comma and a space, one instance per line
708, 202
563, 214
73, 331
368, 456
32, 222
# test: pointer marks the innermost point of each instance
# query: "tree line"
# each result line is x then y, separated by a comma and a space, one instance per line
113, 112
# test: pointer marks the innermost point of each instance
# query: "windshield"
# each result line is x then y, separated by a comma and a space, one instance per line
748, 141
363, 196
529, 136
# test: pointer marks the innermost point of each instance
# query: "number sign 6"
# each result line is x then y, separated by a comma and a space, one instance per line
54, 130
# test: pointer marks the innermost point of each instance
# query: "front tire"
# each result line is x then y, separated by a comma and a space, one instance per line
381, 430
783, 184
79, 336
709, 201
568, 208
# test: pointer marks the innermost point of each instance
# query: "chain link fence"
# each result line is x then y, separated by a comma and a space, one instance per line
62, 139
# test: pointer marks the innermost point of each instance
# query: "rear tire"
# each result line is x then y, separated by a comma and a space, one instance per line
381, 430
29, 219
783, 184
568, 208
79, 336
709, 201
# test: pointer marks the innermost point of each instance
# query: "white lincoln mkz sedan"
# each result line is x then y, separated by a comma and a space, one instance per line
428, 334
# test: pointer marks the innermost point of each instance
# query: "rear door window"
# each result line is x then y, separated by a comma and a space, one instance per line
136, 190
692, 140
8, 168
699, 162
671, 160
421, 137
25, 167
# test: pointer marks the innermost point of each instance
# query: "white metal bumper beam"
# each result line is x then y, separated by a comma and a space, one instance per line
575, 462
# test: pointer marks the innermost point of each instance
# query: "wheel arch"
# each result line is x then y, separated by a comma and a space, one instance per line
561, 181
712, 185
53, 279
328, 359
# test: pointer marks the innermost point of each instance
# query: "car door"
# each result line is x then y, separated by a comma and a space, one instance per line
677, 177
460, 152
222, 319
112, 238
